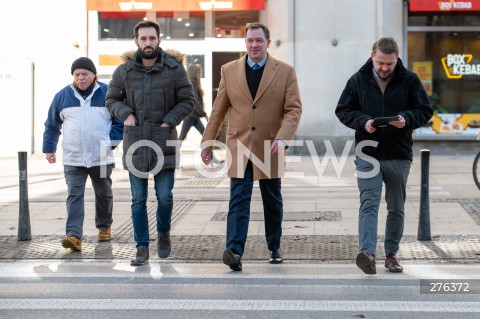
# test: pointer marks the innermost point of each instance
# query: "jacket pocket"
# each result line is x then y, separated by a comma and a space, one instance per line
131, 134
166, 138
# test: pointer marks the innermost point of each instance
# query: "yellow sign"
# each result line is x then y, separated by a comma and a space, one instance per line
424, 71
457, 65
455, 123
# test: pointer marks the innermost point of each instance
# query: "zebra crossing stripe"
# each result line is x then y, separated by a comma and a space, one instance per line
240, 305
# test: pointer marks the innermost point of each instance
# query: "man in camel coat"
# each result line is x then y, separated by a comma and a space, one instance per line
262, 99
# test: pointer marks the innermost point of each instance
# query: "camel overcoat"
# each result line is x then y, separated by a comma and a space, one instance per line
273, 114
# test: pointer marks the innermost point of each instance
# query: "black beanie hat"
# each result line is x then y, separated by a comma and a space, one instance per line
84, 63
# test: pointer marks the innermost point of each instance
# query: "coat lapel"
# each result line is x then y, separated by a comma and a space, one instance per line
271, 69
242, 78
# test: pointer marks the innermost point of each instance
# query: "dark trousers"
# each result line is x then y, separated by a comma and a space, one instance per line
76, 179
239, 211
394, 173
188, 122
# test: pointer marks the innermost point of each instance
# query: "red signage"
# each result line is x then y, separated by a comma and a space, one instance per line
444, 5
174, 5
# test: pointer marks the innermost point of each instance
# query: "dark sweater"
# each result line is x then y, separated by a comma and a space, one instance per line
253, 78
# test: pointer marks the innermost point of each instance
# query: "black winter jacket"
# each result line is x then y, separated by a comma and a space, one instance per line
362, 100
162, 94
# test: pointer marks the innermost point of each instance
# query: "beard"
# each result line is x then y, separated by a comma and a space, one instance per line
151, 55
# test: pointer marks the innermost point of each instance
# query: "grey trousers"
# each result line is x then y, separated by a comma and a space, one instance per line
394, 173
76, 178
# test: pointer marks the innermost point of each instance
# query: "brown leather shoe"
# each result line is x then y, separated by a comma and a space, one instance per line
72, 242
366, 262
104, 234
391, 262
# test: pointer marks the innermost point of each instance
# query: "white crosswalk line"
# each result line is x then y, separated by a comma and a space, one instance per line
240, 305
71, 287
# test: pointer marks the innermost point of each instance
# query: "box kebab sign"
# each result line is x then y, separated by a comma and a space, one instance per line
445, 5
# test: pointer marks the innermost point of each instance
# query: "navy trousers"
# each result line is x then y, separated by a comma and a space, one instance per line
239, 211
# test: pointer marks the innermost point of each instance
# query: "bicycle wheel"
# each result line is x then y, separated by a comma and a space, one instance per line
476, 170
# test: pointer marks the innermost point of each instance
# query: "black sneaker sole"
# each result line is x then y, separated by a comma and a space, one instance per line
363, 262
276, 260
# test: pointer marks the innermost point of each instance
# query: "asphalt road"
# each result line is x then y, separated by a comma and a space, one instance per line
114, 289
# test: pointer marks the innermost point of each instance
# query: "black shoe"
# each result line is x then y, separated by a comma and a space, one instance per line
391, 262
366, 262
234, 261
276, 256
141, 258
164, 245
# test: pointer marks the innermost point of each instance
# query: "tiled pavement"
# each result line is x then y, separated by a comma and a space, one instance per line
320, 203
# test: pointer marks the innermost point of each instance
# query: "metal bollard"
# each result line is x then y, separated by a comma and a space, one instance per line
424, 216
24, 230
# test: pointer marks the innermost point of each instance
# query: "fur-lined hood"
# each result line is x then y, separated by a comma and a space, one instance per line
177, 55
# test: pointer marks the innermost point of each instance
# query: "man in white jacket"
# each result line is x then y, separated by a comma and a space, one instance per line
88, 133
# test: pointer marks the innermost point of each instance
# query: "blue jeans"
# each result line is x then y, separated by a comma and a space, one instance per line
163, 184
239, 211
76, 178
394, 173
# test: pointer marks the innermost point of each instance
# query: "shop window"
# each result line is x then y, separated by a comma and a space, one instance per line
454, 59
118, 25
443, 19
448, 64
181, 25
231, 24
173, 25
444, 51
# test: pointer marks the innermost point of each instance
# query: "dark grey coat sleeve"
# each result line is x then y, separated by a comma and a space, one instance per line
115, 98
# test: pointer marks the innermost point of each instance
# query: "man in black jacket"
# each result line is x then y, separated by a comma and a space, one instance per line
151, 94
383, 87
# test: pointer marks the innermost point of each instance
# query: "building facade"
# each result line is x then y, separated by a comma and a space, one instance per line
327, 41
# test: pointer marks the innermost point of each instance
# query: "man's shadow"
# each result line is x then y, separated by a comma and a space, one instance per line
103, 250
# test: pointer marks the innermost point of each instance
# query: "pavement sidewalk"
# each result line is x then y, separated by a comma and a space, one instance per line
320, 204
